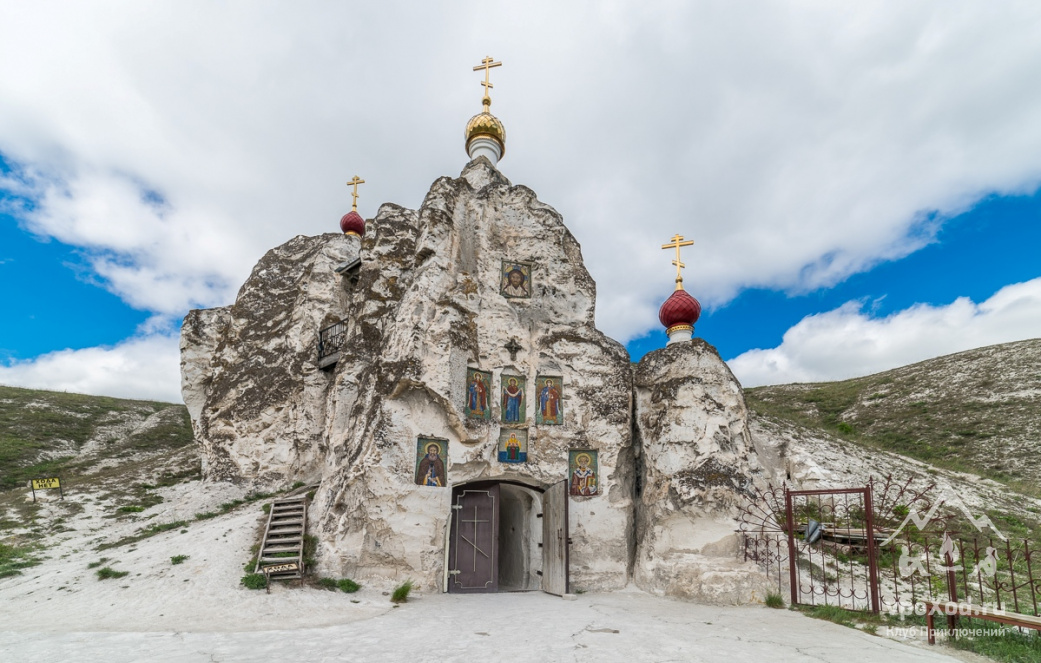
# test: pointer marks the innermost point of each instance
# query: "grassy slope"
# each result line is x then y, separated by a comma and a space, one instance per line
42, 432
977, 411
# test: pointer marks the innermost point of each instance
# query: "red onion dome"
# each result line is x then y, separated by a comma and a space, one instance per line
352, 224
679, 309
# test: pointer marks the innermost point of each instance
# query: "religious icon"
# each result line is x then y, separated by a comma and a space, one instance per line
516, 279
583, 470
431, 455
514, 410
478, 403
513, 445
548, 398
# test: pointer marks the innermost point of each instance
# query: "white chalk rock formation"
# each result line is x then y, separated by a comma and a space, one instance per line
423, 310
428, 306
425, 306
697, 467
249, 373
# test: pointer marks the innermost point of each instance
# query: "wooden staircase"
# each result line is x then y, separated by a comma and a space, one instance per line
282, 548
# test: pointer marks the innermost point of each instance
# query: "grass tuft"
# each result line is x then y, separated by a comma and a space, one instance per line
151, 530
327, 583
94, 565
14, 558
774, 601
254, 581
178, 559
1006, 645
108, 572
400, 594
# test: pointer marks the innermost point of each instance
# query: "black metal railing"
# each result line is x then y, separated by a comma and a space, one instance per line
331, 340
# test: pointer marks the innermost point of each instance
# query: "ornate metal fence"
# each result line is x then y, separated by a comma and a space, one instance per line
886, 546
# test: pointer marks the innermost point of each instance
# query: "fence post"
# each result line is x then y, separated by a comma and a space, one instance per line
869, 516
952, 589
792, 559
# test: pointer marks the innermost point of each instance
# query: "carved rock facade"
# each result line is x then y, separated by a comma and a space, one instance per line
425, 307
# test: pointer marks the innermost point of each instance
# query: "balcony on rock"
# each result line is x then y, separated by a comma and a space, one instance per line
330, 342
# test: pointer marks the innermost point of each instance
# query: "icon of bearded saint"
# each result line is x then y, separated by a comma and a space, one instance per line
583, 479
515, 283
431, 471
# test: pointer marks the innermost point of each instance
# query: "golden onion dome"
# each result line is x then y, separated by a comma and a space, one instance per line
485, 125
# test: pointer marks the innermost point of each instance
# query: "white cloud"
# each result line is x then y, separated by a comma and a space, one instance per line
847, 343
796, 143
146, 368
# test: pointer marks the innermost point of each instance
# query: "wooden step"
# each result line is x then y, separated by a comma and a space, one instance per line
282, 522
282, 536
281, 547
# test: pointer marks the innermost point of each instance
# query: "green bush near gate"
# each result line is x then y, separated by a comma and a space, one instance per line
349, 586
774, 601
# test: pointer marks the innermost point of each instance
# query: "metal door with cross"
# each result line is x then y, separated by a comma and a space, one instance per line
474, 566
555, 539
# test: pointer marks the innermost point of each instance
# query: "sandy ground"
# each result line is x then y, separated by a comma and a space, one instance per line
624, 626
197, 610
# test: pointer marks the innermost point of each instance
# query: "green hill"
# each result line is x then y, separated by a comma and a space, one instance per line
976, 411
46, 433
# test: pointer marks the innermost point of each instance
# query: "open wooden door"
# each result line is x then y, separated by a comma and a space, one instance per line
555, 532
474, 542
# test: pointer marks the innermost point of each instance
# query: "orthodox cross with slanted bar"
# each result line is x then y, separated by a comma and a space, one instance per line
513, 347
355, 182
487, 65
677, 242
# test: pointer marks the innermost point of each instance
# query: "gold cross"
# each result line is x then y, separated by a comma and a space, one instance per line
677, 242
355, 182
487, 65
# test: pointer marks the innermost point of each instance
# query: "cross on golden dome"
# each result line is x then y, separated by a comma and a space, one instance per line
355, 182
487, 64
676, 243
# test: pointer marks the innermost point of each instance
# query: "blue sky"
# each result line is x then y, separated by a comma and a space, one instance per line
975, 254
860, 181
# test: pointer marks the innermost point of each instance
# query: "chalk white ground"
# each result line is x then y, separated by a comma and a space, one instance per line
626, 626
198, 611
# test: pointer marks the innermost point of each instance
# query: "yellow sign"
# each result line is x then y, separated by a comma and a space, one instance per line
279, 568
40, 484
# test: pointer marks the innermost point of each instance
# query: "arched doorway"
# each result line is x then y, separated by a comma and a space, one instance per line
506, 536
